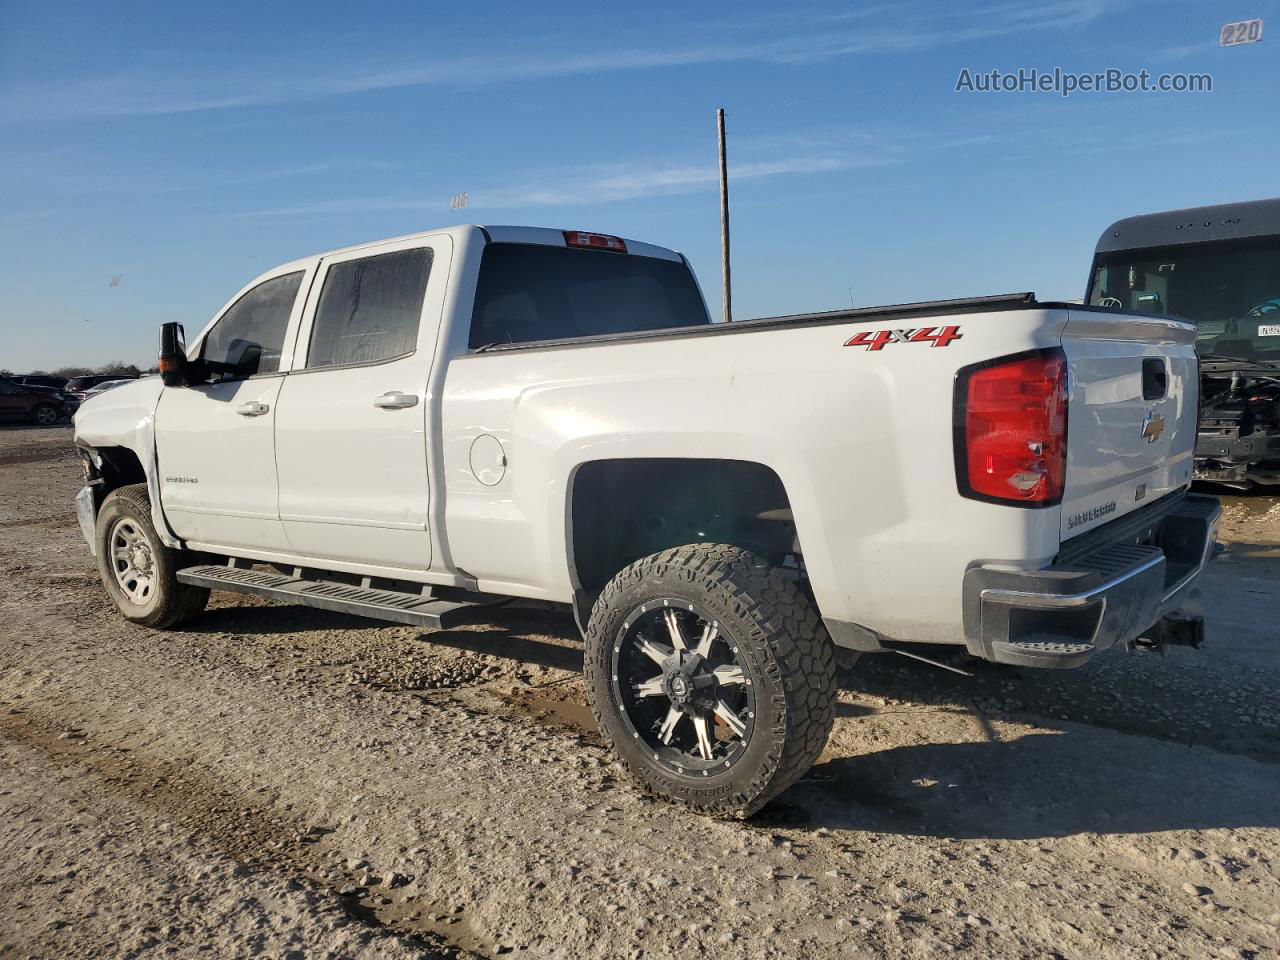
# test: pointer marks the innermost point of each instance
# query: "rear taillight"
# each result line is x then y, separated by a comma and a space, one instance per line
594, 241
1011, 429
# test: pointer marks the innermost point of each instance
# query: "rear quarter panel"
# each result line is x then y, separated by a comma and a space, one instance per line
861, 439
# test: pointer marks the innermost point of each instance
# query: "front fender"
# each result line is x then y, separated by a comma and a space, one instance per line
124, 417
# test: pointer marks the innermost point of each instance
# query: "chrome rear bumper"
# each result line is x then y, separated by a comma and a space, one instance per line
1113, 592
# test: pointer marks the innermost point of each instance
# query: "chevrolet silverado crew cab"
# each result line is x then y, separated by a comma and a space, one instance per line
410, 429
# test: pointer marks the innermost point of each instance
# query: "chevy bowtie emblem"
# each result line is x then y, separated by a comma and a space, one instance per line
1152, 427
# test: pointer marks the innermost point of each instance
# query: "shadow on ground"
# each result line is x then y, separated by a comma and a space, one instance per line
1050, 784
1063, 777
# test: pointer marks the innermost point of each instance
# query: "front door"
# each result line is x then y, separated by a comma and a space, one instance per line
215, 441
354, 418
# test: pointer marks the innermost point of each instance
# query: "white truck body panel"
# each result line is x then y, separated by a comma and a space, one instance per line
861, 441
218, 465
1115, 469
371, 504
125, 418
472, 485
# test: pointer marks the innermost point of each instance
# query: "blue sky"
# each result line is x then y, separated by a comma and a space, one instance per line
186, 149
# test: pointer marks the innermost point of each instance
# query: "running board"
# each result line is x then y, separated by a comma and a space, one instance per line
394, 605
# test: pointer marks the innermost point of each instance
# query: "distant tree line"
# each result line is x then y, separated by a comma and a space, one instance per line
115, 368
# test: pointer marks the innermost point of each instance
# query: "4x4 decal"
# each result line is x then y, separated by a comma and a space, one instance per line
876, 339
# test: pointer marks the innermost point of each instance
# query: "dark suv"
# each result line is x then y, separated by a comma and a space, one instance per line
38, 405
40, 380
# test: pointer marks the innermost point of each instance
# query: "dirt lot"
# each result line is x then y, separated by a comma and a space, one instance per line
282, 782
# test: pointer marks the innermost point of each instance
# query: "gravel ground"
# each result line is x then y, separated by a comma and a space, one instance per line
281, 782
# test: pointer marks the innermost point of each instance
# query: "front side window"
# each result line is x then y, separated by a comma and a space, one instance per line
369, 309
250, 336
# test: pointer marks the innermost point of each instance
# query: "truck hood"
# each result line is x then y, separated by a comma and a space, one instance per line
117, 416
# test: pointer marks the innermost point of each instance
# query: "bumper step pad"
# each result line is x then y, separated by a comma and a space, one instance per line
1102, 592
1042, 653
396, 606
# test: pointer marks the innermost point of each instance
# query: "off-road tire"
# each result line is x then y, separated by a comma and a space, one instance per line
785, 650
171, 603
40, 414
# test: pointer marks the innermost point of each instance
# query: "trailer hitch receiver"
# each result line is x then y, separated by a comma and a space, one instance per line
1174, 630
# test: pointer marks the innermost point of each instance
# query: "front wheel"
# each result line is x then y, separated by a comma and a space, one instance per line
44, 415
711, 677
137, 569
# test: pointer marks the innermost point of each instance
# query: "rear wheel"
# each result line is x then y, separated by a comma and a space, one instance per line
44, 415
137, 569
711, 676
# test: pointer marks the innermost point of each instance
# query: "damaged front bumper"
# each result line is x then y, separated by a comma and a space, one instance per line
87, 515
1131, 579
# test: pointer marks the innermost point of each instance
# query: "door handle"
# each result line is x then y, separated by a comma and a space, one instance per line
395, 400
253, 408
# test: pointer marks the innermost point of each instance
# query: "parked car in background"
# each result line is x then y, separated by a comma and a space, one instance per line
41, 380
104, 386
55, 386
31, 404
1220, 268
77, 387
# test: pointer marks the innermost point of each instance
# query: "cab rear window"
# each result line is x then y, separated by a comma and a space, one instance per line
528, 293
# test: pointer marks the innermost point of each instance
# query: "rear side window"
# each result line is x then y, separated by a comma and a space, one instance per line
249, 337
369, 309
529, 292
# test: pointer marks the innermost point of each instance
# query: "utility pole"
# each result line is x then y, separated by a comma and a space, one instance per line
724, 217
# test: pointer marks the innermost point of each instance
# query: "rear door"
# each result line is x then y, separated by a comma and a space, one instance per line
1131, 416
355, 418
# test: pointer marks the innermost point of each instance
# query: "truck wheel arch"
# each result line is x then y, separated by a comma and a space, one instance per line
112, 467
619, 510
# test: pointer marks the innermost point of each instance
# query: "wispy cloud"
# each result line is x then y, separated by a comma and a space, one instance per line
1187, 51
586, 187
798, 154
142, 92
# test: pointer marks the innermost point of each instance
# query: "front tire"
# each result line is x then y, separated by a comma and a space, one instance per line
711, 677
137, 569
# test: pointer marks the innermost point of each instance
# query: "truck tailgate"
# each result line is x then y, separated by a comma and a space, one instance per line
1133, 389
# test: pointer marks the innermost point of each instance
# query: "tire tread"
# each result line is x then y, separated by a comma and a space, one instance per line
794, 638
179, 601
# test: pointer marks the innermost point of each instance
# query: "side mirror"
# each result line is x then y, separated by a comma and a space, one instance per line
173, 355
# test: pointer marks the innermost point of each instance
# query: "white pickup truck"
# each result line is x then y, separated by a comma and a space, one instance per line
412, 428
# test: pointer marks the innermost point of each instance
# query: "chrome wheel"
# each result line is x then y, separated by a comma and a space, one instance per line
132, 562
684, 692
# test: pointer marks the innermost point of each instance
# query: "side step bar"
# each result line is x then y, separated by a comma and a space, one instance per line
393, 605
